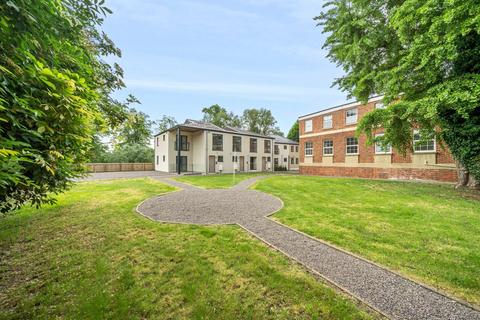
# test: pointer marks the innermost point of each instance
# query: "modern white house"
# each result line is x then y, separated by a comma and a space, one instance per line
201, 147
285, 153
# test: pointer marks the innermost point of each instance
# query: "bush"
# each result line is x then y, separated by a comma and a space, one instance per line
128, 153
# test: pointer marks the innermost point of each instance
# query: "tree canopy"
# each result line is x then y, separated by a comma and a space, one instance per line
54, 94
424, 56
166, 122
125, 153
136, 129
219, 116
294, 133
259, 121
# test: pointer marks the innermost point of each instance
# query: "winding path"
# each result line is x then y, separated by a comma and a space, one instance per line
387, 292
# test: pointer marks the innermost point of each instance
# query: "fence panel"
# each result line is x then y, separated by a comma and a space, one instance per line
116, 167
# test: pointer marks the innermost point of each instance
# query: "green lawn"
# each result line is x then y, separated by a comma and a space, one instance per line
428, 232
218, 181
92, 256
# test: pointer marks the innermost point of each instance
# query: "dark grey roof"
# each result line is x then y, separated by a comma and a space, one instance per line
203, 125
283, 140
245, 132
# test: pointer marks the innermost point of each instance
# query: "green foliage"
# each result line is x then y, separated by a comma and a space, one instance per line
424, 55
261, 121
136, 129
255, 120
219, 116
294, 133
54, 94
125, 153
165, 123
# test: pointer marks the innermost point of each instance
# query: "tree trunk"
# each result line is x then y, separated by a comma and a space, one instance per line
463, 176
473, 183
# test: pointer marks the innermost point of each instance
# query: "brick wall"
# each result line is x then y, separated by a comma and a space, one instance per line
366, 153
445, 175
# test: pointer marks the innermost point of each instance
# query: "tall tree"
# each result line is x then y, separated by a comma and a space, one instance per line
294, 132
216, 115
219, 116
136, 129
260, 121
54, 94
165, 123
425, 57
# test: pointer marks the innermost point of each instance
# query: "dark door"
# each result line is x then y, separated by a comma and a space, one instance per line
253, 163
183, 164
211, 164
242, 163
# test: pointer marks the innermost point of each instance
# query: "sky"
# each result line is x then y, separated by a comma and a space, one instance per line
180, 56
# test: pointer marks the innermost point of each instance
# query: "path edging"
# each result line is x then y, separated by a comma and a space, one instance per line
269, 218
327, 279
426, 286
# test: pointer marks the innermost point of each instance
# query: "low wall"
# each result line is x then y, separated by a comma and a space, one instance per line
446, 175
115, 167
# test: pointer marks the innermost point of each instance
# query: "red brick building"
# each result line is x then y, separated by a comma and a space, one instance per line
328, 147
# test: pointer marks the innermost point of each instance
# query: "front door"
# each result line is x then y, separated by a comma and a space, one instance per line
211, 164
253, 163
242, 163
264, 163
183, 164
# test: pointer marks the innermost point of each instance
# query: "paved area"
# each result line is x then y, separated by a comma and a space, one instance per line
391, 294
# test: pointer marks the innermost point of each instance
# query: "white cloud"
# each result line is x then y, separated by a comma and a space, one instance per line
258, 91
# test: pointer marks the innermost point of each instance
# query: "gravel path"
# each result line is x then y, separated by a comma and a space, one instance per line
385, 291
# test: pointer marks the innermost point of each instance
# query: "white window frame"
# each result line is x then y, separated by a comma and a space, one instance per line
379, 147
328, 147
309, 149
308, 125
351, 119
351, 145
417, 132
327, 124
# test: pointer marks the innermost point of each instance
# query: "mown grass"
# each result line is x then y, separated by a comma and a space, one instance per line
91, 256
428, 232
218, 181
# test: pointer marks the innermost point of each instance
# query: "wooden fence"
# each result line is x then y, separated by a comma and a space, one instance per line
115, 167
